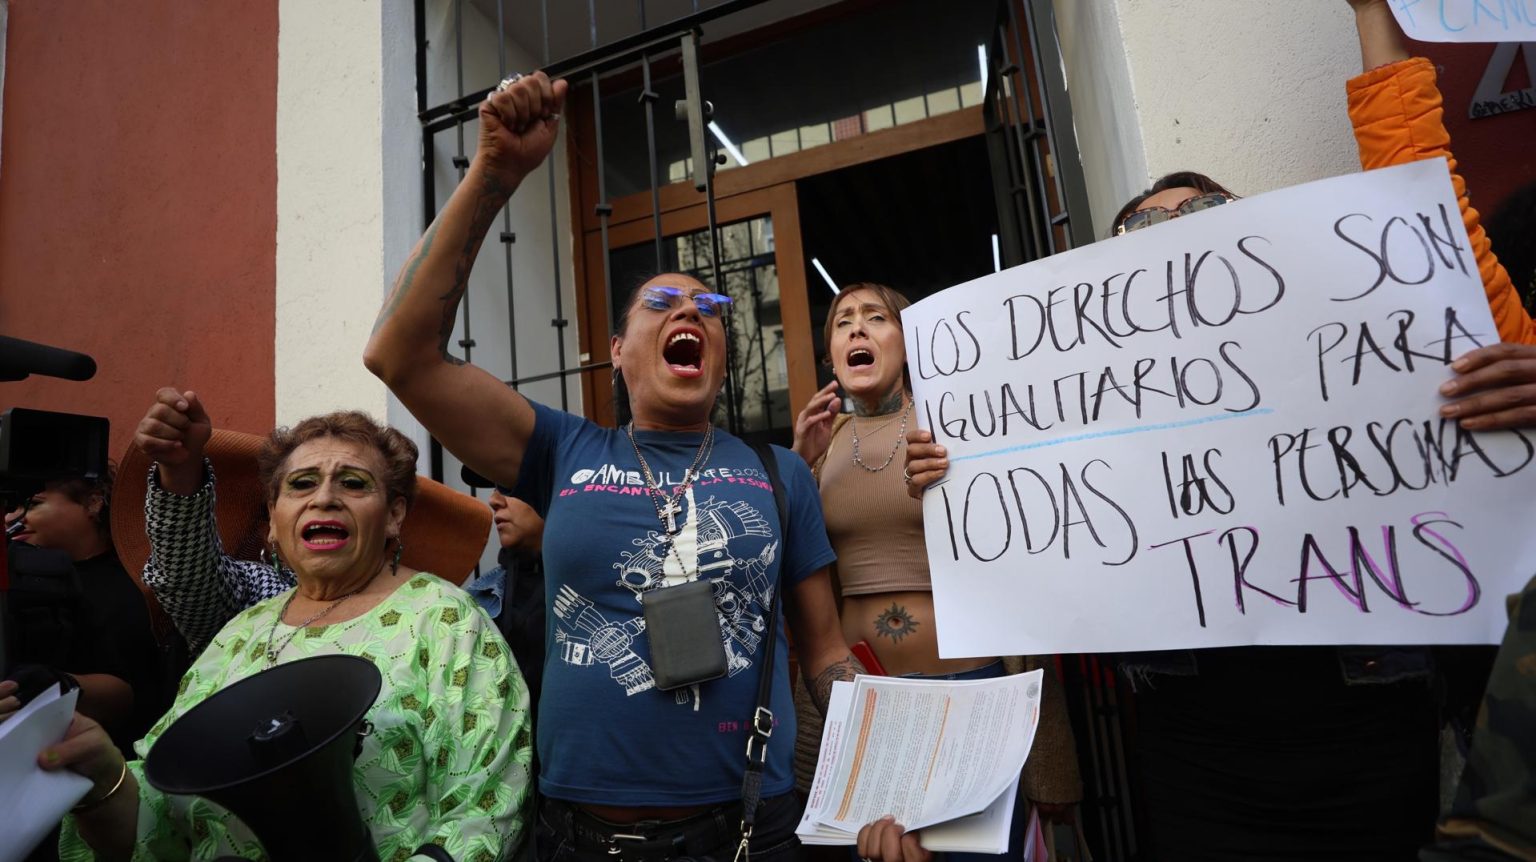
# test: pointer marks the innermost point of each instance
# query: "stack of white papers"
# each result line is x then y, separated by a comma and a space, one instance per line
942, 757
35, 801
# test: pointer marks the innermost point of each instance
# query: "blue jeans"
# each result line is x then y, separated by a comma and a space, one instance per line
986, 671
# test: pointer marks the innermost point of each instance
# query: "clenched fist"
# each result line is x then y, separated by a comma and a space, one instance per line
174, 432
518, 127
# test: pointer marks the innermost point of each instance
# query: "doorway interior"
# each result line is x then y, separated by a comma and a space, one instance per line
920, 222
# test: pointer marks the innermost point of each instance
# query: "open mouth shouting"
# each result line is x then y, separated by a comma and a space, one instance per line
324, 535
684, 352
860, 356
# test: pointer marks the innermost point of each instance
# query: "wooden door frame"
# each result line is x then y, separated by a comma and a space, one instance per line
868, 147
778, 202
739, 193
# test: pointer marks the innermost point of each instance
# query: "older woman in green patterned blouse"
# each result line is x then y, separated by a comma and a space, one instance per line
447, 762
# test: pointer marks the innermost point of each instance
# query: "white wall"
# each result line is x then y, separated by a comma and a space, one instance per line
538, 236
401, 159
1098, 75
331, 182
1250, 93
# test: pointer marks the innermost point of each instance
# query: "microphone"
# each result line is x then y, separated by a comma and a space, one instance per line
19, 359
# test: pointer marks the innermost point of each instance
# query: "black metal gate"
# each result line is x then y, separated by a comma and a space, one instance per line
1038, 179
679, 37
1041, 203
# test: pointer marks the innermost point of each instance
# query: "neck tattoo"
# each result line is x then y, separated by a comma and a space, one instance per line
901, 438
887, 405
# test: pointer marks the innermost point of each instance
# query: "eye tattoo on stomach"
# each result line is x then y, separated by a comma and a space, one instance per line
894, 623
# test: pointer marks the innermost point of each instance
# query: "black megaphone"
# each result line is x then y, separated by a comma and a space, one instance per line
277, 750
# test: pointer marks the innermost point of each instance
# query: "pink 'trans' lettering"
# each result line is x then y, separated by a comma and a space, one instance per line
1366, 567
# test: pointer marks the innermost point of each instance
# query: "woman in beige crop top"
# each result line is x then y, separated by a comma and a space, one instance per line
876, 529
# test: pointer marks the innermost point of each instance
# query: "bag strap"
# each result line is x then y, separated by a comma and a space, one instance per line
762, 718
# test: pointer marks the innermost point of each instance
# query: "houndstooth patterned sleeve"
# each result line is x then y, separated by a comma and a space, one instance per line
199, 587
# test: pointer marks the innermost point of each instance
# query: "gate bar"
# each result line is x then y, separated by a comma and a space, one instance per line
559, 323
616, 53
649, 97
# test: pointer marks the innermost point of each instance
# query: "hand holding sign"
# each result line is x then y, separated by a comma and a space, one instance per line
1497, 385
1381, 40
926, 463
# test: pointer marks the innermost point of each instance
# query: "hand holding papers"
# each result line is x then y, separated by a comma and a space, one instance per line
35, 800
943, 757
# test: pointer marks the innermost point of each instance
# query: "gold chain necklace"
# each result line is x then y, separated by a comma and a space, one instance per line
273, 652
901, 437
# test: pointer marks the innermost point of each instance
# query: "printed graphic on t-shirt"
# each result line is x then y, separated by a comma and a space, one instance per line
708, 545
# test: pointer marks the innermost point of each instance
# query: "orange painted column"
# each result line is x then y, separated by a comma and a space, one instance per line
138, 203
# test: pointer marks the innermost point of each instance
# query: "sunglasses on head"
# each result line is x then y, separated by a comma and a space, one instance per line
664, 298
1157, 215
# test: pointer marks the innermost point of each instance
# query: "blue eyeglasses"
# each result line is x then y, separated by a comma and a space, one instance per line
664, 298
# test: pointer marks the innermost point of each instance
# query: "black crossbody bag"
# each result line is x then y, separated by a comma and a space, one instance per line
684, 637
762, 717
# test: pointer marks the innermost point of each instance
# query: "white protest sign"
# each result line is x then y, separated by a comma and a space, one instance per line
1223, 430
1466, 20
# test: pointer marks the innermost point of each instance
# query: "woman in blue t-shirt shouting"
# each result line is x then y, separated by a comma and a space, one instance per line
640, 743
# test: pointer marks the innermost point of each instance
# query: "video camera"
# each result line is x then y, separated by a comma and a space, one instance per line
38, 446
41, 446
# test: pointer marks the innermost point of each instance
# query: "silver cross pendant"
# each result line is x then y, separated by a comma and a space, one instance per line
670, 510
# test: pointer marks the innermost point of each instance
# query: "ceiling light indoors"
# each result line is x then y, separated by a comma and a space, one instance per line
726, 142
823, 270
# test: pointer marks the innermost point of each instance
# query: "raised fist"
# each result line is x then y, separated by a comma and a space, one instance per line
174, 432
518, 126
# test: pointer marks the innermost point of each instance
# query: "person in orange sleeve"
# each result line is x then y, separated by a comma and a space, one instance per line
1396, 111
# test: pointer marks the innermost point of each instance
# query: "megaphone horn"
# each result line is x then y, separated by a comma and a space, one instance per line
277, 750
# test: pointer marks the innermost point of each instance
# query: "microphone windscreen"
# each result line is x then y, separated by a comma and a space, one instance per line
20, 358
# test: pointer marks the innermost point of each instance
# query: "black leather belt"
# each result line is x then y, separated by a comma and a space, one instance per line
645, 839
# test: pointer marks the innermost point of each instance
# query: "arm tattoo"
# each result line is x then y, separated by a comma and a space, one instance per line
489, 202
845, 668
407, 278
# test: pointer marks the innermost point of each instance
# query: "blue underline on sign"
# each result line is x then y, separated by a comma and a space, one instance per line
1118, 432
